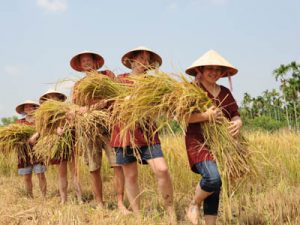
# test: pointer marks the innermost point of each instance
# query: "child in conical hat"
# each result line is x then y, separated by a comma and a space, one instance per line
63, 162
85, 62
208, 69
140, 60
29, 164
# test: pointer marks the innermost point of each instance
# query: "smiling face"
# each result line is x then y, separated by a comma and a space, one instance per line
210, 74
28, 109
87, 62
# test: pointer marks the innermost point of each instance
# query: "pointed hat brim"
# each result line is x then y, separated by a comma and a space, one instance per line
127, 58
212, 58
20, 108
51, 91
75, 61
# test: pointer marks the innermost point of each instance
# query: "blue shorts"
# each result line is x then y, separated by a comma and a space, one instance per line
36, 168
210, 182
126, 155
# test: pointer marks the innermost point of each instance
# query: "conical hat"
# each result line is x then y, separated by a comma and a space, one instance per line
75, 61
62, 96
128, 56
212, 58
20, 108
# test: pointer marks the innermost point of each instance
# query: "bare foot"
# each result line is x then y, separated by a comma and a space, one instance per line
123, 209
100, 205
193, 214
172, 215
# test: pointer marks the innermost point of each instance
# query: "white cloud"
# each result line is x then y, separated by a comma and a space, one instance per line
53, 5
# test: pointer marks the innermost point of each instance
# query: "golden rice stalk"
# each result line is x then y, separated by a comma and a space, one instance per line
53, 146
158, 97
51, 115
91, 128
14, 138
96, 86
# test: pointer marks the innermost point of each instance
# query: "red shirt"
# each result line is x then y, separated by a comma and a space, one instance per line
138, 135
194, 140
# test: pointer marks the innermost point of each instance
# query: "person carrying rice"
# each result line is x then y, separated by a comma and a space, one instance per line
89, 62
208, 69
62, 160
27, 163
139, 60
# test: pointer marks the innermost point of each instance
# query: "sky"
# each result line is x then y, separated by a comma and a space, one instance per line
39, 37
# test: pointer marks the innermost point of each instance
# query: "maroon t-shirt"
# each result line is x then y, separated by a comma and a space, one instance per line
197, 151
138, 135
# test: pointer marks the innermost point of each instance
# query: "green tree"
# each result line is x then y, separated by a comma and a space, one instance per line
8, 120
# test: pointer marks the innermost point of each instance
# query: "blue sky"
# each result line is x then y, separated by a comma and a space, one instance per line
38, 38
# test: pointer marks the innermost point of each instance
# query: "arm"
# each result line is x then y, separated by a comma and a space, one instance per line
33, 139
211, 114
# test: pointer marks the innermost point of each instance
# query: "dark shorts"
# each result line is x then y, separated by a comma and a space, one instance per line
127, 155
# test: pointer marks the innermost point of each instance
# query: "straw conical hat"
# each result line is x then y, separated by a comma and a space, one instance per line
128, 56
212, 58
20, 108
61, 96
75, 61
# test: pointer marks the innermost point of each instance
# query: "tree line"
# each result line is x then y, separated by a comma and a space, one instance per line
276, 108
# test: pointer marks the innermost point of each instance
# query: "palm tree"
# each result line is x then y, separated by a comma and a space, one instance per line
280, 73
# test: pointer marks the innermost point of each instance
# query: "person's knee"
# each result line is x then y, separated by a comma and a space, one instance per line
132, 177
42, 177
162, 172
28, 178
216, 182
212, 183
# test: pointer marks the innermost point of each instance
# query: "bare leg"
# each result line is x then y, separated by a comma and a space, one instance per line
97, 186
119, 182
193, 210
28, 184
42, 183
75, 178
131, 184
210, 219
160, 169
63, 181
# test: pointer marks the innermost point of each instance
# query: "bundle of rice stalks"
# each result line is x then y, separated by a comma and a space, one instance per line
91, 129
51, 115
158, 97
96, 86
14, 139
55, 147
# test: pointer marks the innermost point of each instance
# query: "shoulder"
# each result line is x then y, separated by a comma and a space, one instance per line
21, 121
225, 89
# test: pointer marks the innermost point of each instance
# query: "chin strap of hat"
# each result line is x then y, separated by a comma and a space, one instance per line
230, 83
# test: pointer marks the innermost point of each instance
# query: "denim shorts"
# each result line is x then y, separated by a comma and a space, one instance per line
210, 182
36, 168
126, 155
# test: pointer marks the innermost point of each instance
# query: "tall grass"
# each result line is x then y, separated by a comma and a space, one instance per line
273, 197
